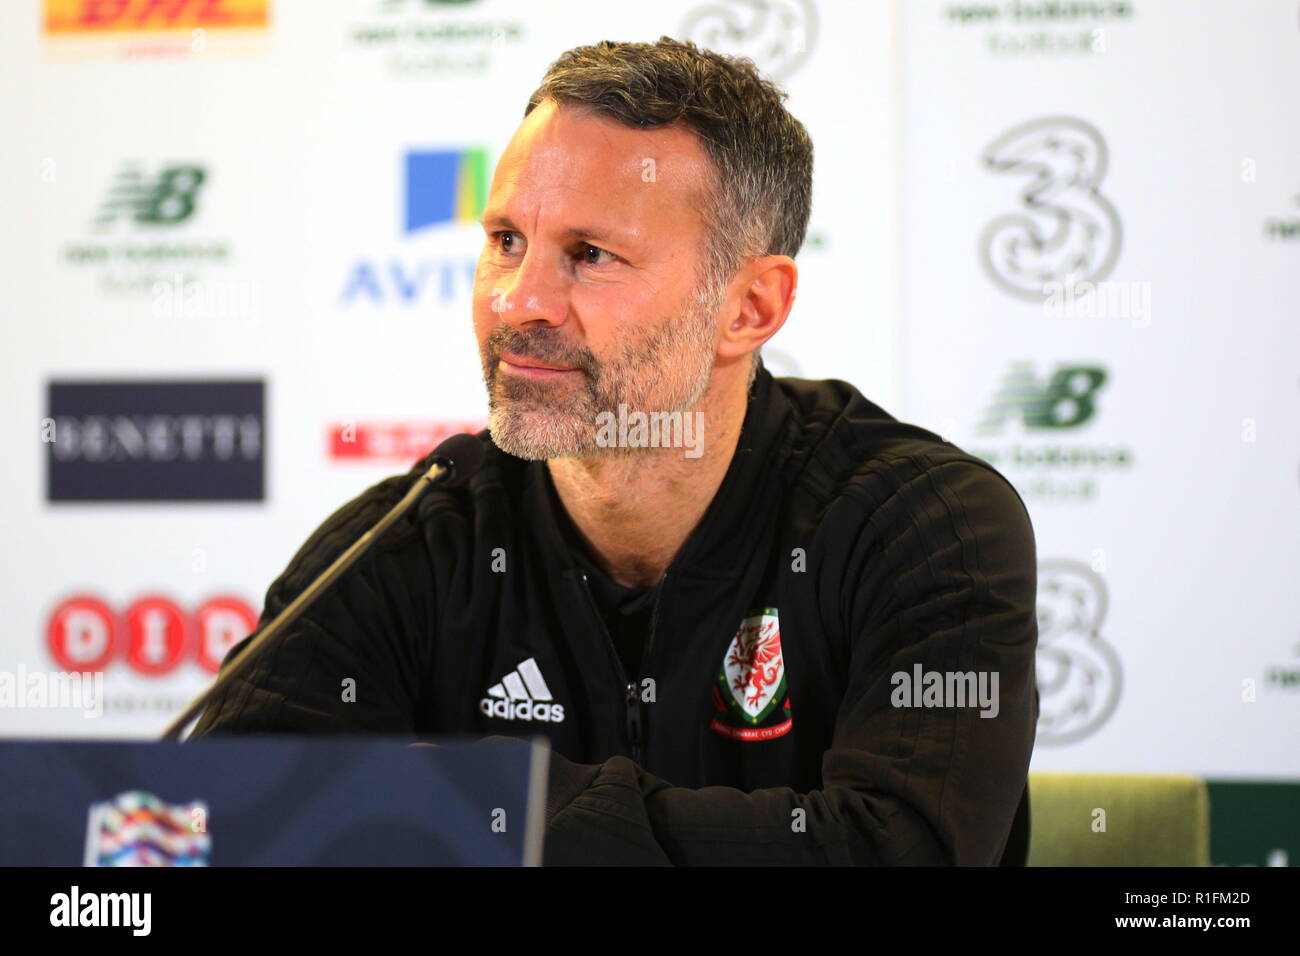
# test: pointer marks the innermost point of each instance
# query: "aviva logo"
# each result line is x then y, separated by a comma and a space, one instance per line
445, 186
1066, 400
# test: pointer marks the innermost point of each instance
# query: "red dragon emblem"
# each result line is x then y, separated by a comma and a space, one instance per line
751, 682
756, 656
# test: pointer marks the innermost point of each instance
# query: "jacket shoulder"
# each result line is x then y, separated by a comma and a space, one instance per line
842, 439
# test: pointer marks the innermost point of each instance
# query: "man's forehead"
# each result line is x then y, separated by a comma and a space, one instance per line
584, 159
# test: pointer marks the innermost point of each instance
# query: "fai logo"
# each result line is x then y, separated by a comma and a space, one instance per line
1078, 672
1066, 232
138, 829
750, 698
522, 695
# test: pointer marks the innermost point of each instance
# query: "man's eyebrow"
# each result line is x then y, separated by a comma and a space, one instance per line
502, 221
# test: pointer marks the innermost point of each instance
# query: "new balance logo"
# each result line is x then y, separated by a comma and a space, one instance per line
522, 695
164, 199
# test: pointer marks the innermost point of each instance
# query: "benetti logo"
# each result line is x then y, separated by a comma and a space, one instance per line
522, 695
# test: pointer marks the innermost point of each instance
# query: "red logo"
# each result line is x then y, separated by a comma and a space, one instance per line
156, 637
393, 441
153, 636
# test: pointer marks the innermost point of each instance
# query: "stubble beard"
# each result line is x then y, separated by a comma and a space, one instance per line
667, 369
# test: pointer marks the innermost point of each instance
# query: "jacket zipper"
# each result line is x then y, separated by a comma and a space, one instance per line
650, 641
632, 725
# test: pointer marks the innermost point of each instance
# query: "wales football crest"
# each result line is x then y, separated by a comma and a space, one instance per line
749, 697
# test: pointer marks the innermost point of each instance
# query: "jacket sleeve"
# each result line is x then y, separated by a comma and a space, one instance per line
351, 663
940, 573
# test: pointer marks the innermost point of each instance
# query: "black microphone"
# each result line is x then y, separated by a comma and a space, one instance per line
454, 462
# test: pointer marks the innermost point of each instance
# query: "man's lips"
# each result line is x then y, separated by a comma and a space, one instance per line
533, 367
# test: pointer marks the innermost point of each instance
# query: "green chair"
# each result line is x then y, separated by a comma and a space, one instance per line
1118, 820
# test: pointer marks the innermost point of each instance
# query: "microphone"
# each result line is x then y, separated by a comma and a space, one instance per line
454, 462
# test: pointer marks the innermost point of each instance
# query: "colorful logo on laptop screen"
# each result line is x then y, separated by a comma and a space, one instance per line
137, 829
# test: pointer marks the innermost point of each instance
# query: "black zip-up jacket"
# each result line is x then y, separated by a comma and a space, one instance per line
770, 721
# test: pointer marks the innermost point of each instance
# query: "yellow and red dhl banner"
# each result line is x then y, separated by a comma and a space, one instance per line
69, 17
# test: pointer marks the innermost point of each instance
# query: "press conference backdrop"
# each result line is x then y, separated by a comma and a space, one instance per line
246, 230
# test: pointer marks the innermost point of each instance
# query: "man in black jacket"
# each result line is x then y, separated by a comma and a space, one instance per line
760, 620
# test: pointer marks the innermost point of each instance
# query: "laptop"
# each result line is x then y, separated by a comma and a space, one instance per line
272, 801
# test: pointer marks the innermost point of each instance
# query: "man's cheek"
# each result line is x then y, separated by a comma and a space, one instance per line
485, 316
489, 291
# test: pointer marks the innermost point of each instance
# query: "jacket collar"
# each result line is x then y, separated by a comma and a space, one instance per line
744, 504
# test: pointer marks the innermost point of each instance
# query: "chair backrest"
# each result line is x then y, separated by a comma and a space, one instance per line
1118, 820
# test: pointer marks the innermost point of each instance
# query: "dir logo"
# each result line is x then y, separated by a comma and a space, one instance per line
153, 636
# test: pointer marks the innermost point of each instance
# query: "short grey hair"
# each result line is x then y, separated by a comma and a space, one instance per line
761, 194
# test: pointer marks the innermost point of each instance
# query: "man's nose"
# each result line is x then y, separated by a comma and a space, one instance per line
534, 295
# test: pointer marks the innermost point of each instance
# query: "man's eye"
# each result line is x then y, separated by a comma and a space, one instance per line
511, 243
504, 241
591, 255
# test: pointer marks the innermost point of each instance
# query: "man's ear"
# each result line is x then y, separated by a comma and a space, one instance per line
766, 288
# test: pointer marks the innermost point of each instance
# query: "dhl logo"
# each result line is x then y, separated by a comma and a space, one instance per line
99, 17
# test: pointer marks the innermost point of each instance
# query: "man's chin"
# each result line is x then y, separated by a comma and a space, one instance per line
536, 434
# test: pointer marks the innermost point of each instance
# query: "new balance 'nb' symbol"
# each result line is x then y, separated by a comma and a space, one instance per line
522, 695
165, 199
